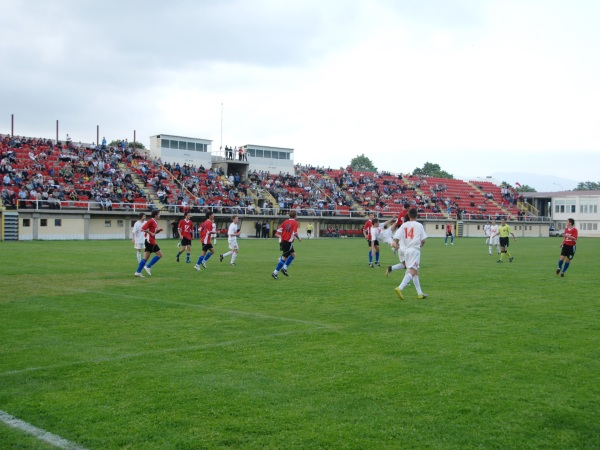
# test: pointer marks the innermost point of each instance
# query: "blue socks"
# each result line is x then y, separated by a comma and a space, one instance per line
154, 261
141, 266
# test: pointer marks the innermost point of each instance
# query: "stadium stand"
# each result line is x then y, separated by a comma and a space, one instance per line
38, 173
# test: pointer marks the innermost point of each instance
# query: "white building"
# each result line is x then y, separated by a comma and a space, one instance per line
579, 205
270, 159
182, 150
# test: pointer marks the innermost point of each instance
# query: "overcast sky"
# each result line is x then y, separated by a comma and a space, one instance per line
478, 87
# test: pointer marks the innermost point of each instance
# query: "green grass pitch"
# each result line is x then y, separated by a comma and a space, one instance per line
499, 356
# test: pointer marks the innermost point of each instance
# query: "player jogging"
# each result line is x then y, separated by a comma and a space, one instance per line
138, 236
494, 239
567, 251
206, 233
409, 238
185, 229
287, 232
487, 231
449, 234
232, 234
151, 229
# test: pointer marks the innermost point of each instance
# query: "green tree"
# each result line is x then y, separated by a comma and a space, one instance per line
588, 186
525, 188
362, 164
432, 170
129, 144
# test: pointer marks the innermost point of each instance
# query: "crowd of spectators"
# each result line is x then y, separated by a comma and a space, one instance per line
40, 173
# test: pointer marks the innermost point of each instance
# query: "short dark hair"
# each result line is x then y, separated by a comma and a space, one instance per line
413, 213
571, 220
407, 205
292, 214
154, 213
208, 214
142, 215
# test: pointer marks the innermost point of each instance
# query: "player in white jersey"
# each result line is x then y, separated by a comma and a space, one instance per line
385, 234
232, 234
409, 239
214, 230
494, 238
486, 230
138, 236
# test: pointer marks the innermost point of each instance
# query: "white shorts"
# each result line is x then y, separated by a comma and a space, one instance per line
400, 255
412, 258
139, 245
495, 240
233, 245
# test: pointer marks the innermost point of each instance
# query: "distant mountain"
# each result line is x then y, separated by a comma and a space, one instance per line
541, 183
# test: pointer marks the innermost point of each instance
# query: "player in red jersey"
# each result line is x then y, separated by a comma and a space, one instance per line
449, 234
287, 232
206, 233
151, 229
373, 243
185, 229
567, 252
402, 216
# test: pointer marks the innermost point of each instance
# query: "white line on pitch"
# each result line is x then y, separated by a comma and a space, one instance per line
42, 435
212, 308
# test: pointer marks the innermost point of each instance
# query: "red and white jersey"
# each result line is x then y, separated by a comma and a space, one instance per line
151, 226
410, 235
287, 230
448, 228
206, 230
570, 236
368, 225
185, 228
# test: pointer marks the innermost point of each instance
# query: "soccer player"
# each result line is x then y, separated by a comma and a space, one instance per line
449, 234
409, 239
185, 229
309, 230
567, 252
385, 234
402, 215
150, 228
494, 238
206, 233
287, 232
504, 231
373, 244
232, 234
138, 236
487, 230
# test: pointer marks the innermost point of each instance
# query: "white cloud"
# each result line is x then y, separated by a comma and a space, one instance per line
473, 86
